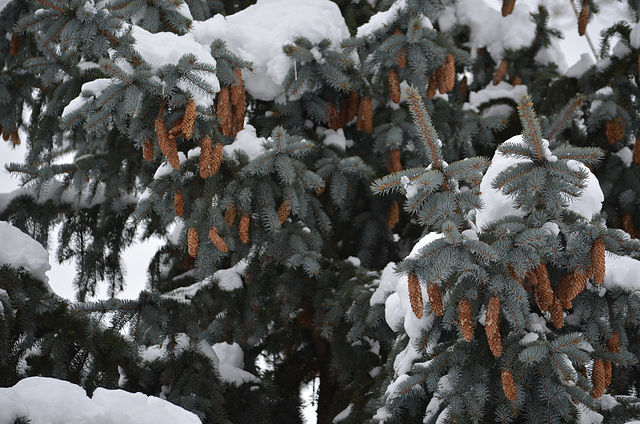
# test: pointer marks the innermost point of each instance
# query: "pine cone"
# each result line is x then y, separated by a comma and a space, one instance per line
516, 81
178, 204
14, 44
614, 131
432, 89
465, 317
627, 222
176, 129
230, 215
449, 73
636, 151
284, 210
6, 135
584, 18
394, 86
395, 165
223, 110
508, 386
608, 371
243, 228
237, 94
507, 7
401, 56
320, 189
563, 291
532, 277
147, 150
578, 283
189, 119
557, 314
613, 343
217, 240
167, 144
334, 118
544, 288
15, 138
192, 242
598, 378
210, 157
463, 88
366, 112
492, 326
501, 71
394, 215
415, 296
353, 104
435, 298
598, 261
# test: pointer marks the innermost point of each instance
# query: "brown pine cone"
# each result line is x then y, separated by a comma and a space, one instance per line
507, 7
544, 287
614, 131
501, 71
178, 204
432, 89
210, 157
230, 215
508, 386
217, 241
15, 138
492, 326
415, 296
189, 119
395, 165
223, 110
463, 87
465, 317
598, 378
636, 151
394, 86
394, 215
353, 105
243, 228
334, 117
598, 261
613, 343
167, 144
627, 222
147, 150
435, 298
579, 279
367, 115
449, 73
608, 371
284, 211
192, 242
14, 44
584, 18
557, 314
563, 291
401, 58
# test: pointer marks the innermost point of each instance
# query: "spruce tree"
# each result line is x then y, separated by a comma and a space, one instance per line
330, 214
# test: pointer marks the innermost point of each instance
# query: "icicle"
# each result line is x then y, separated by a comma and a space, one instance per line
295, 69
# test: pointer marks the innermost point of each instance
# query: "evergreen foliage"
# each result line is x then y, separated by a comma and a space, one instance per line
345, 250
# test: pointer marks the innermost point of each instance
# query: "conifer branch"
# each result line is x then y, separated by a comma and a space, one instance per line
530, 126
424, 127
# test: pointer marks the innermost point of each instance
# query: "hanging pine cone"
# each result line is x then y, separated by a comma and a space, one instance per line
532, 277
230, 215
210, 157
147, 149
167, 144
636, 151
401, 56
394, 86
15, 138
189, 119
432, 89
366, 112
584, 18
563, 291
223, 110
492, 326
508, 385
435, 298
608, 371
507, 7
353, 105
394, 215
334, 117
192, 242
448, 74
465, 318
415, 295
516, 81
14, 44
627, 225
178, 204
557, 314
217, 241
6, 135
579, 279
462, 87
243, 228
284, 211
598, 261
613, 343
614, 131
501, 71
395, 165
544, 288
598, 378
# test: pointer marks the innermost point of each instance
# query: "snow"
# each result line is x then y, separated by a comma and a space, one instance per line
91, 89
50, 401
248, 142
334, 138
581, 66
497, 205
528, 338
626, 155
231, 363
608, 402
165, 168
622, 272
21, 251
492, 92
4, 3
248, 35
231, 279
386, 18
388, 283
634, 37
343, 414
587, 416
173, 48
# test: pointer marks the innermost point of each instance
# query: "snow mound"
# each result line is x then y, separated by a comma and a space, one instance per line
497, 205
21, 251
231, 364
247, 141
622, 272
49, 401
258, 33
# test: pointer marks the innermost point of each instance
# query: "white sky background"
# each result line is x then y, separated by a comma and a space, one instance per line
138, 256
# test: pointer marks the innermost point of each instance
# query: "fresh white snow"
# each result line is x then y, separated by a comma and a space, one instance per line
21, 251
